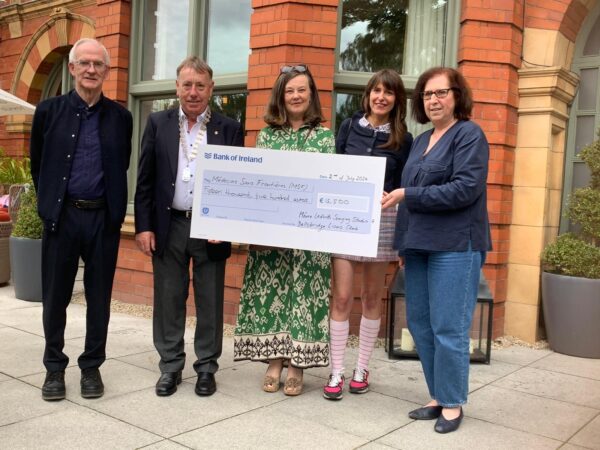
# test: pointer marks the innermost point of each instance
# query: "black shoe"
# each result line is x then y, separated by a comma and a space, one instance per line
206, 384
444, 425
167, 383
91, 383
426, 413
54, 386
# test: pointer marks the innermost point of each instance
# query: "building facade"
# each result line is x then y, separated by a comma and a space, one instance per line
533, 66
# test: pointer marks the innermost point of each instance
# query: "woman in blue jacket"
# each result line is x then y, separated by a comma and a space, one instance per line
442, 233
379, 130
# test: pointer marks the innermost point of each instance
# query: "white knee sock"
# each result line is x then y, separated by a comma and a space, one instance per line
369, 330
337, 348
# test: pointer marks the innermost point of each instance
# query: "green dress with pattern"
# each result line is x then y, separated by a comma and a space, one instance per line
284, 302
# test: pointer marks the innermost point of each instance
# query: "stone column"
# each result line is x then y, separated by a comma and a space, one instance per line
544, 97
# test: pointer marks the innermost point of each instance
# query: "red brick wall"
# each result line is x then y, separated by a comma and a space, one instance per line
284, 33
113, 21
490, 43
113, 27
563, 15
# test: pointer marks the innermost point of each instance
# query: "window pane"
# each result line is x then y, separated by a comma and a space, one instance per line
584, 133
581, 175
229, 35
592, 45
230, 105
155, 105
588, 88
414, 127
165, 36
373, 33
425, 36
346, 104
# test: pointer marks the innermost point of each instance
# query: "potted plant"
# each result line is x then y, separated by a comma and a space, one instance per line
13, 171
571, 277
26, 249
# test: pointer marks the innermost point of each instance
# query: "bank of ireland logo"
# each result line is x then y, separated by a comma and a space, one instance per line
207, 155
205, 210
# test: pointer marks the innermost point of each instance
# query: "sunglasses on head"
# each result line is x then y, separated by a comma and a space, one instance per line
301, 68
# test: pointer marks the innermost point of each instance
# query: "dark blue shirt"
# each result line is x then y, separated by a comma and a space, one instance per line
86, 180
445, 205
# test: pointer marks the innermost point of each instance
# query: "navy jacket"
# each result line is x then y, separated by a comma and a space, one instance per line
158, 168
54, 135
352, 139
446, 204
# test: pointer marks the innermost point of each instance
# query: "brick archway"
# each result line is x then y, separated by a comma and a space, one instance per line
46, 46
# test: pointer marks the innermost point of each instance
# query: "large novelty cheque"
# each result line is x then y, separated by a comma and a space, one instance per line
310, 201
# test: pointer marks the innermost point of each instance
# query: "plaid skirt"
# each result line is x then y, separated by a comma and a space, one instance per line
385, 252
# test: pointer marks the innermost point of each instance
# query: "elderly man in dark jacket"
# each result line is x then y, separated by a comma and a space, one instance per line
80, 151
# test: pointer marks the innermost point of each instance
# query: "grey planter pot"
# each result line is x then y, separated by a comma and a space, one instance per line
572, 314
26, 268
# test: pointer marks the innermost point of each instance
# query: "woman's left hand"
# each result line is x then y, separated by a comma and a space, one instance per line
392, 199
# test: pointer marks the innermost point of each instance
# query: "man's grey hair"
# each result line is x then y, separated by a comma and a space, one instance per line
72, 53
197, 64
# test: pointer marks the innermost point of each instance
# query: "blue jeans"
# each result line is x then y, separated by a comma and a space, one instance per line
441, 293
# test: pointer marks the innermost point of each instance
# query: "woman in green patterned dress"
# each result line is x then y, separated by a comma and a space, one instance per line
284, 304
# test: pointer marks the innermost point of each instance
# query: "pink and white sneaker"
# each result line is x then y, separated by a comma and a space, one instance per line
360, 381
333, 390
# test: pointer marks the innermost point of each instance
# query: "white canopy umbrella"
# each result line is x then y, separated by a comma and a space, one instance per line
10, 104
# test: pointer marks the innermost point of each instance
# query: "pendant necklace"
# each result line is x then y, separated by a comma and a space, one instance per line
186, 173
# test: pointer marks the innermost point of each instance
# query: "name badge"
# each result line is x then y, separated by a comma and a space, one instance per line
186, 174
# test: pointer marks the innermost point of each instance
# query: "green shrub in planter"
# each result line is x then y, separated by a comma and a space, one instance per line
29, 225
14, 171
571, 277
571, 256
578, 255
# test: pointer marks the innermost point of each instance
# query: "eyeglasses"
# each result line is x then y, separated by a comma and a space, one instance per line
301, 68
439, 93
99, 66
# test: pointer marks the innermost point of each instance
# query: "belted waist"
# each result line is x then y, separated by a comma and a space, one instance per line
177, 212
87, 204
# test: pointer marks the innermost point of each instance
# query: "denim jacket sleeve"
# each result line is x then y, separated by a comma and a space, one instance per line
466, 154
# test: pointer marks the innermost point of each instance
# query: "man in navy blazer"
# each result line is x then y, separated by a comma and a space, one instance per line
80, 151
163, 211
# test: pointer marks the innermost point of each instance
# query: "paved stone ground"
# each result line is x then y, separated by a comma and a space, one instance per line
525, 399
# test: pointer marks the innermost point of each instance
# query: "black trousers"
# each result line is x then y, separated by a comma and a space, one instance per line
171, 288
80, 233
